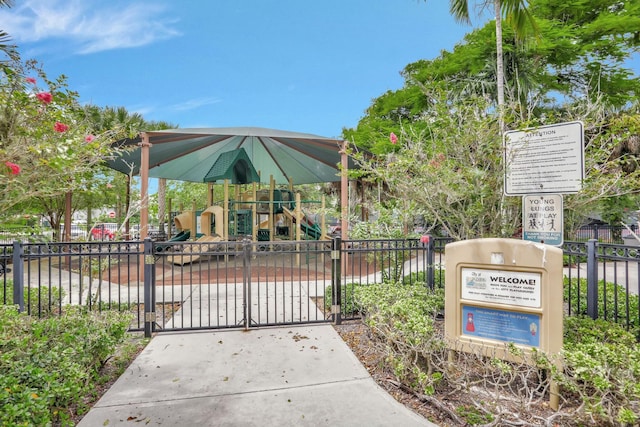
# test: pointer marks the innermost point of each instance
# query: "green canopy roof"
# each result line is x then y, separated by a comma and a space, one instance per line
192, 154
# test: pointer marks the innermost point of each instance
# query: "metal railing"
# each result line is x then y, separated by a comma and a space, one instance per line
214, 284
602, 281
605, 233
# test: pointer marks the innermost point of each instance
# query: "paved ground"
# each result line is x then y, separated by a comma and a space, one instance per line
286, 376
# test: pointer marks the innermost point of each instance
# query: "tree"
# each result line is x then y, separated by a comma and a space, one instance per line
46, 148
110, 118
5, 47
516, 13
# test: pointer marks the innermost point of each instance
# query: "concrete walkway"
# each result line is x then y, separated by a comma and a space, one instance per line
286, 376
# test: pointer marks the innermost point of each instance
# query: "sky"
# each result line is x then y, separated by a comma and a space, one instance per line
303, 66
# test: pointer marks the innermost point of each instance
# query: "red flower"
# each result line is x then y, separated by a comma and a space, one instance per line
60, 127
424, 239
15, 169
393, 138
30, 80
45, 97
89, 138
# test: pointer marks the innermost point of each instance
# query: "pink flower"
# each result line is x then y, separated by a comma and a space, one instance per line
45, 97
15, 169
393, 138
89, 138
60, 127
424, 239
30, 80
109, 185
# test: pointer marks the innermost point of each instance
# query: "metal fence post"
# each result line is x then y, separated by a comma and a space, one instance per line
430, 257
592, 279
336, 278
18, 276
246, 283
149, 289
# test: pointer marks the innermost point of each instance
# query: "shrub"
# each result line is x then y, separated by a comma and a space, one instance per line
348, 306
421, 277
615, 304
48, 365
40, 301
602, 370
599, 374
403, 318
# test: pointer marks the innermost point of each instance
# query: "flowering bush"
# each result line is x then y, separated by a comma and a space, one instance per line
47, 146
13, 168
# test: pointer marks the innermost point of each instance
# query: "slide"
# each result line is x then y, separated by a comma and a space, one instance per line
184, 257
311, 230
180, 237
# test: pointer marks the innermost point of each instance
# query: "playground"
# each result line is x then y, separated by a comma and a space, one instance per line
248, 210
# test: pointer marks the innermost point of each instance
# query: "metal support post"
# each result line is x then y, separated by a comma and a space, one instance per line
18, 276
246, 283
430, 256
149, 289
592, 279
336, 285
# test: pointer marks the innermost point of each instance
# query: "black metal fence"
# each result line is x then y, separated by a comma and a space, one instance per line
605, 233
215, 284
602, 281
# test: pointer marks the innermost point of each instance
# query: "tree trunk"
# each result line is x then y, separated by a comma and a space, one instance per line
162, 203
499, 65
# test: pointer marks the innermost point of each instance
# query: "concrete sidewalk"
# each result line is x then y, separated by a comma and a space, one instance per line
285, 376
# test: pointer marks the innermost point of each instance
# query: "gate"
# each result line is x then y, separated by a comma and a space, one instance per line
211, 284
207, 284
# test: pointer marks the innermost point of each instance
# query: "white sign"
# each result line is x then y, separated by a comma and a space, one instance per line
502, 287
543, 160
542, 219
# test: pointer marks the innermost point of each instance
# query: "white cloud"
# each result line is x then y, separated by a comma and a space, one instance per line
88, 25
192, 104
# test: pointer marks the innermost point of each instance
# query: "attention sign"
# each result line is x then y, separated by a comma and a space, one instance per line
547, 159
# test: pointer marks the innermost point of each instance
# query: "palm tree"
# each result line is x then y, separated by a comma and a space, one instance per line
110, 118
8, 49
517, 14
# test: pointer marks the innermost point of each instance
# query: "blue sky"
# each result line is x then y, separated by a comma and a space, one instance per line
305, 66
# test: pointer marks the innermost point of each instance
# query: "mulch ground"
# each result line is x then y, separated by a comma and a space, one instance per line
218, 270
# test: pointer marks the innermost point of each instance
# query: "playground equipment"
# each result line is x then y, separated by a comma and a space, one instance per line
211, 230
259, 214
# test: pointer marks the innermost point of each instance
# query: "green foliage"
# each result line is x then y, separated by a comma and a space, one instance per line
348, 305
448, 159
44, 134
40, 301
403, 318
48, 365
613, 302
473, 416
602, 368
421, 277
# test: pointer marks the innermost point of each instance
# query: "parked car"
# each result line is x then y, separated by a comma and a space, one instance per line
103, 231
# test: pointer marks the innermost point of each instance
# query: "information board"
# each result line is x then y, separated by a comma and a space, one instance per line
502, 325
547, 159
520, 289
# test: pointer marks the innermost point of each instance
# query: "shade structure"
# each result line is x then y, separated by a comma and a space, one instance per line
190, 154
